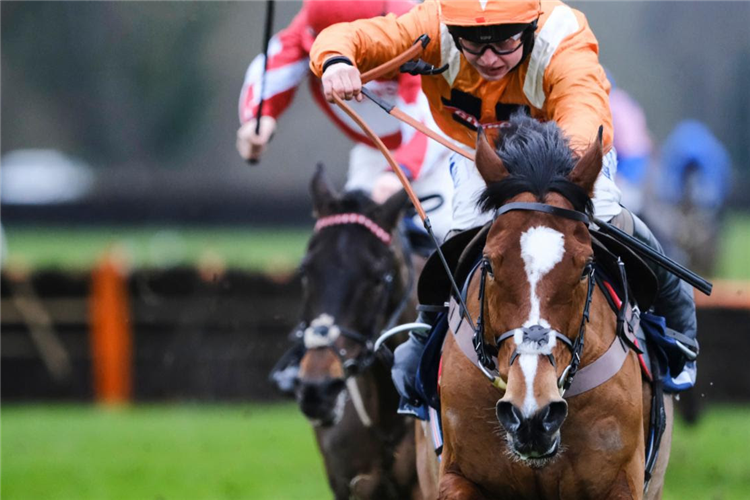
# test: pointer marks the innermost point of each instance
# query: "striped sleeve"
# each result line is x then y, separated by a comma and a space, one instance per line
287, 66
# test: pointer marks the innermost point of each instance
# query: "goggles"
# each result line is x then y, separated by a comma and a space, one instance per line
501, 48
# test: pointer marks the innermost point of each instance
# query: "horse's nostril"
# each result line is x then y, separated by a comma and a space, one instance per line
508, 415
553, 416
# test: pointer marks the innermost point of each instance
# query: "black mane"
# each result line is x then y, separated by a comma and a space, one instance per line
538, 158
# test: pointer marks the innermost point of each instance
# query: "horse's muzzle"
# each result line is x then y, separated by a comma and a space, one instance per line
537, 437
321, 400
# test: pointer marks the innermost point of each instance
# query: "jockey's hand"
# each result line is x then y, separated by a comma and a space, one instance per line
251, 145
344, 81
386, 185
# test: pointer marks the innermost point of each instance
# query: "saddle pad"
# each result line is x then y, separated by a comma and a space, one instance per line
434, 286
429, 364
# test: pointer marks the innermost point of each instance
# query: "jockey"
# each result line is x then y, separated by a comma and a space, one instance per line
502, 55
368, 170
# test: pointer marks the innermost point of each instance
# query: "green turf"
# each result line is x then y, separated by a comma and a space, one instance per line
734, 258
263, 452
180, 453
712, 459
77, 248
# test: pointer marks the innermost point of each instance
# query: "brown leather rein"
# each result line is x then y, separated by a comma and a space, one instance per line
377, 72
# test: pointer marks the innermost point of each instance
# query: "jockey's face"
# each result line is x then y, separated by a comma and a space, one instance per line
493, 67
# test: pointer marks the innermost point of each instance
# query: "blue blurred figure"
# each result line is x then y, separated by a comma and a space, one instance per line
695, 168
692, 183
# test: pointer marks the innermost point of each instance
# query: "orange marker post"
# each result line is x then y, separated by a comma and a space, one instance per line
111, 336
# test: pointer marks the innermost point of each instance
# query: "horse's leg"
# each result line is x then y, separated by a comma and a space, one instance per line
405, 465
428, 468
454, 486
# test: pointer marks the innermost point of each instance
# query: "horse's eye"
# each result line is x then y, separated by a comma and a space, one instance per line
587, 270
487, 263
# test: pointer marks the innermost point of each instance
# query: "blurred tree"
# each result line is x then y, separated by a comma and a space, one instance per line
124, 77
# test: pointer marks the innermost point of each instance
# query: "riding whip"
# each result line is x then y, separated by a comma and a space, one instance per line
657, 258
266, 40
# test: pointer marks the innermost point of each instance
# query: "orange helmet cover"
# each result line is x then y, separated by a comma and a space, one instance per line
488, 12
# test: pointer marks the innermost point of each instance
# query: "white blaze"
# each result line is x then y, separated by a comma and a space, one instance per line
528, 364
541, 249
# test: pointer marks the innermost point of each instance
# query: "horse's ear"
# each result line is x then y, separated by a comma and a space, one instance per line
588, 167
489, 164
323, 195
389, 213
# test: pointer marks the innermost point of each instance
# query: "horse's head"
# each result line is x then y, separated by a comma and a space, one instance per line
351, 277
537, 264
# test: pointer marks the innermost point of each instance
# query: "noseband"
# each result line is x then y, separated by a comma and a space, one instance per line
534, 333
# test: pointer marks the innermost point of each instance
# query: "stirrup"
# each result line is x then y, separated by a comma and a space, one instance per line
406, 327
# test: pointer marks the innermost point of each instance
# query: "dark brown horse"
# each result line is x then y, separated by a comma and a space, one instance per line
357, 279
532, 299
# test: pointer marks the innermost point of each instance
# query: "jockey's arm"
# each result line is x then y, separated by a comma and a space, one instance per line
341, 52
287, 67
577, 91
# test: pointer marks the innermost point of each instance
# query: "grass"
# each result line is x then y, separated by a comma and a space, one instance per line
262, 452
159, 453
271, 250
734, 259
711, 460
78, 248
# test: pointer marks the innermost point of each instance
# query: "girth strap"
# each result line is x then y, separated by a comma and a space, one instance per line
601, 370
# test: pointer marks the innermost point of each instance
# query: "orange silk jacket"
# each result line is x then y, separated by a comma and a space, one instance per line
560, 80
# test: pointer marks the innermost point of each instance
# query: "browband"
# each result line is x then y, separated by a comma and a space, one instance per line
354, 218
541, 207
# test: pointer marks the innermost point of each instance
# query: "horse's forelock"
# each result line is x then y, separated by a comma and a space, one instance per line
539, 158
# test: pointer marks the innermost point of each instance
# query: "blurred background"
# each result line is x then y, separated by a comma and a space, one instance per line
120, 179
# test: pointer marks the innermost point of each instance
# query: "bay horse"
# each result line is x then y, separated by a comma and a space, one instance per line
357, 278
533, 297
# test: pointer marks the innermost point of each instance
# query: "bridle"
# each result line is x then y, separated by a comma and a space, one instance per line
325, 334
533, 333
